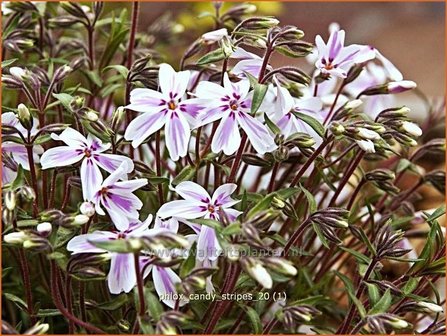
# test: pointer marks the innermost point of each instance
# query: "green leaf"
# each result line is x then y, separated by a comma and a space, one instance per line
208, 222
146, 325
154, 305
410, 285
213, 56
65, 99
122, 70
373, 293
18, 301
264, 204
94, 77
117, 245
382, 305
312, 122
9, 62
48, 312
231, 229
189, 263
255, 320
320, 235
258, 96
287, 192
350, 290
310, 200
360, 257
19, 181
114, 304
275, 129
185, 174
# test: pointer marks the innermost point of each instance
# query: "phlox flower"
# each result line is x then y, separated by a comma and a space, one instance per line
334, 58
91, 151
122, 275
197, 203
16, 152
117, 197
165, 108
232, 104
285, 118
248, 62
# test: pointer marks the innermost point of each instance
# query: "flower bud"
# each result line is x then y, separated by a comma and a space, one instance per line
280, 265
25, 116
38, 329
17, 73
242, 9
44, 228
51, 215
258, 272
337, 128
381, 174
214, 36
15, 238
28, 193
430, 307
117, 117
36, 244
258, 23
80, 219
294, 74
87, 209
366, 145
367, 134
62, 72
353, 104
401, 86
394, 113
10, 200
411, 128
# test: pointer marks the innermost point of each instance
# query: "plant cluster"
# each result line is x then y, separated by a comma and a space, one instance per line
227, 196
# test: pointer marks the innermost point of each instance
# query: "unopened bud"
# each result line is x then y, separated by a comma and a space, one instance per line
411, 128
381, 174
38, 329
367, 134
366, 145
401, 86
87, 208
337, 128
80, 219
215, 35
280, 265
258, 272
17, 73
28, 193
394, 113
62, 72
10, 200
44, 228
430, 307
117, 117
353, 104
15, 238
25, 116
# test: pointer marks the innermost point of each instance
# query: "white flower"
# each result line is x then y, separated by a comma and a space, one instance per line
260, 274
430, 307
411, 128
17, 72
87, 208
401, 86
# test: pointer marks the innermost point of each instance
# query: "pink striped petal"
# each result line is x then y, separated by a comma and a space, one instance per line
122, 276
227, 137
257, 133
192, 191
91, 179
60, 157
143, 126
164, 283
177, 134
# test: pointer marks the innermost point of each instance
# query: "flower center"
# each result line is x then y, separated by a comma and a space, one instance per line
211, 208
172, 105
234, 105
87, 153
103, 191
329, 66
121, 235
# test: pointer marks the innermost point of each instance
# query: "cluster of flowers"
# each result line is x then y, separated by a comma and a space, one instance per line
250, 112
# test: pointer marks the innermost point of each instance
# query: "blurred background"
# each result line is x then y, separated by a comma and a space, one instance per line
410, 34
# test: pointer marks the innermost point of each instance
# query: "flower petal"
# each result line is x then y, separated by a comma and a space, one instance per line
128, 186
111, 162
122, 276
145, 100
257, 133
177, 134
208, 246
182, 209
222, 194
91, 179
164, 283
71, 137
143, 126
192, 191
227, 137
172, 84
81, 243
60, 157
122, 209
